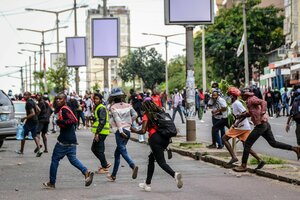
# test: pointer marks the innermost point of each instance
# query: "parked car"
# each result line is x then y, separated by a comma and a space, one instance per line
8, 123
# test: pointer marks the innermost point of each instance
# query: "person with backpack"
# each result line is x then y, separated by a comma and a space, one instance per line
44, 119
66, 143
295, 115
31, 122
158, 141
100, 129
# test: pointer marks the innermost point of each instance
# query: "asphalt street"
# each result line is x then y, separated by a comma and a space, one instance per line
22, 177
261, 145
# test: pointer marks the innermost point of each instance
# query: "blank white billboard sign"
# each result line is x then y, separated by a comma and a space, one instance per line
105, 37
185, 12
76, 51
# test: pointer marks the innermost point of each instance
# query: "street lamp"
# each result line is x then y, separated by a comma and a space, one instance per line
43, 44
57, 20
22, 79
166, 43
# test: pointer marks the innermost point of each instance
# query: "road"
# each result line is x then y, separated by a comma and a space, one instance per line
22, 177
261, 146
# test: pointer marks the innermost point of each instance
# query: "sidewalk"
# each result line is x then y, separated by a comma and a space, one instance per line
288, 172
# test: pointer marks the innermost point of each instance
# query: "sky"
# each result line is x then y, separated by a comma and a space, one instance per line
147, 16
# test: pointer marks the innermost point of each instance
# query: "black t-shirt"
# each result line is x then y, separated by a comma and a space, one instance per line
44, 114
30, 104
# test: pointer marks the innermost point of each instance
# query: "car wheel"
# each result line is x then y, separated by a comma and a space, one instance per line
1, 143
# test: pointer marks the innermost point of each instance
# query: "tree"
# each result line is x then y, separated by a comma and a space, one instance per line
177, 74
60, 75
264, 27
145, 64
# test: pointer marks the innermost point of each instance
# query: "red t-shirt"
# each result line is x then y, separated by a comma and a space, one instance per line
151, 130
156, 99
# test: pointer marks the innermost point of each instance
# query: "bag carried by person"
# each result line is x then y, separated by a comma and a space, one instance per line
20, 132
165, 124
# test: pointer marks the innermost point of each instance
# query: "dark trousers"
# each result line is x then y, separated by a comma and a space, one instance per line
98, 148
298, 133
270, 109
157, 144
213, 134
265, 131
219, 126
175, 109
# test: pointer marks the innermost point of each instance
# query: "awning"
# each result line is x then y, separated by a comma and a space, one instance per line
284, 63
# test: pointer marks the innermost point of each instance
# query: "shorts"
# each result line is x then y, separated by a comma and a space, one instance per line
42, 127
240, 134
31, 129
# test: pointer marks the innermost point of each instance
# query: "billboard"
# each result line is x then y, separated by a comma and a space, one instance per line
189, 12
76, 51
105, 37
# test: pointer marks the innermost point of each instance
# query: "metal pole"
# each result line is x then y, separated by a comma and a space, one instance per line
57, 33
41, 46
77, 68
245, 45
22, 81
105, 71
203, 60
34, 72
44, 64
167, 78
190, 86
26, 76
29, 73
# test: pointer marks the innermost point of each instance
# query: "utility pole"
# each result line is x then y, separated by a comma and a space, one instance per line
77, 68
106, 82
245, 45
190, 85
203, 60
29, 73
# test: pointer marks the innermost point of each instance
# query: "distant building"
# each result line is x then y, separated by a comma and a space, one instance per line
95, 66
287, 63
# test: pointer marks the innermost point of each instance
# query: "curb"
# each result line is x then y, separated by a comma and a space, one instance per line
215, 160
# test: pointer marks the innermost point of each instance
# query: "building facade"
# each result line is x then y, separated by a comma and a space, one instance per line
95, 66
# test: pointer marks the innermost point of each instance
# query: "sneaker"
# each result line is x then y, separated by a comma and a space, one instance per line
169, 151
212, 146
260, 165
240, 169
220, 147
48, 185
178, 179
202, 121
135, 172
145, 186
39, 153
89, 179
110, 178
36, 149
19, 152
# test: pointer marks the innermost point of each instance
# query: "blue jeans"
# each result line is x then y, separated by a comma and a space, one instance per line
59, 153
121, 150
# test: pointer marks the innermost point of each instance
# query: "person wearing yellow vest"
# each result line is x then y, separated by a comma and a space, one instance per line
101, 130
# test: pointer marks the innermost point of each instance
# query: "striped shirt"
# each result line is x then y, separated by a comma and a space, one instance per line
123, 115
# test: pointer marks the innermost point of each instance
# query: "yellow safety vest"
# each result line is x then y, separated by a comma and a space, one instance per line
105, 130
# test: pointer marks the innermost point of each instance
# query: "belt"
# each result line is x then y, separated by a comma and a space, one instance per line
66, 145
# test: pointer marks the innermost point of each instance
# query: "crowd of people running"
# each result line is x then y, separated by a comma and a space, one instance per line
135, 114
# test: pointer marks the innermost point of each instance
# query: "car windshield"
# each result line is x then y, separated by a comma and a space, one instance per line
4, 100
19, 107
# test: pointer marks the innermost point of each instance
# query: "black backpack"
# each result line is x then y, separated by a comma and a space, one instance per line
165, 124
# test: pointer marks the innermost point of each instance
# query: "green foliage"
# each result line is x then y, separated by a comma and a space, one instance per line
95, 87
177, 74
38, 76
264, 27
268, 160
59, 76
146, 64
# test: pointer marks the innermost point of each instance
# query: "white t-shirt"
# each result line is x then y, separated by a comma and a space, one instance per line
221, 103
237, 109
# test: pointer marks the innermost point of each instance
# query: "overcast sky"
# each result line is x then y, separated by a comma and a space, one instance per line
146, 16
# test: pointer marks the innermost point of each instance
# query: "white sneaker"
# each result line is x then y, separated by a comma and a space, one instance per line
202, 121
145, 186
178, 179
